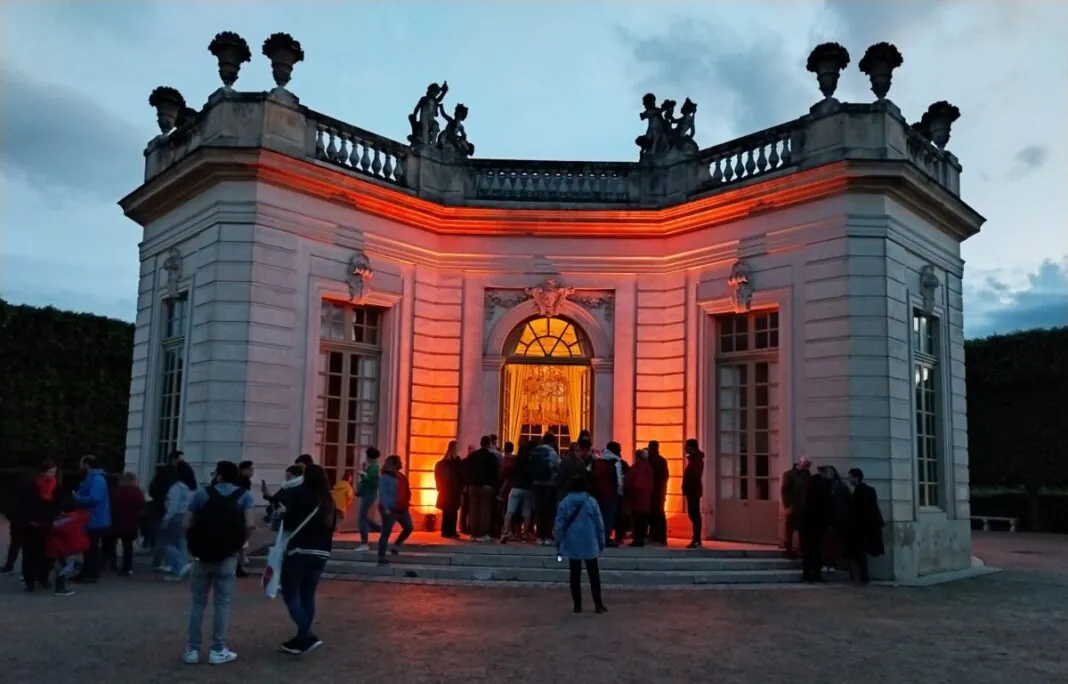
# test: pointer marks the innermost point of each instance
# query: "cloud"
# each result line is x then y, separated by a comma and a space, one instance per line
56, 136
863, 24
750, 83
1031, 158
996, 307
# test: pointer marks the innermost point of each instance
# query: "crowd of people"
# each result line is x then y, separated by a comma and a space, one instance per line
581, 501
833, 521
509, 495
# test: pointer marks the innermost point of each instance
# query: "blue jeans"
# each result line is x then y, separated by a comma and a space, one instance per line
404, 518
218, 579
366, 525
300, 579
174, 548
609, 509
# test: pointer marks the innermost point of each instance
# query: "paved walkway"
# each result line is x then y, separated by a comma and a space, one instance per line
1004, 627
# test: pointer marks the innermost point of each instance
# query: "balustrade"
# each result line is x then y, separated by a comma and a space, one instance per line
749, 157
926, 155
358, 150
562, 181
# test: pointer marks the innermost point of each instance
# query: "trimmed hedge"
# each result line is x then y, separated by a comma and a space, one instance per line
64, 386
1017, 425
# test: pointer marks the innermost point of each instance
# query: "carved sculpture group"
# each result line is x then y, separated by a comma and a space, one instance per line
427, 132
664, 131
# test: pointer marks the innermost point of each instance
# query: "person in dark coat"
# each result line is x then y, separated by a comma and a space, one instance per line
840, 497
658, 504
482, 475
38, 502
638, 493
449, 480
792, 493
16, 519
693, 489
865, 530
815, 519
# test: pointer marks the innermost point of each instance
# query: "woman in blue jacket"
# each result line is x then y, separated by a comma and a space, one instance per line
92, 495
579, 534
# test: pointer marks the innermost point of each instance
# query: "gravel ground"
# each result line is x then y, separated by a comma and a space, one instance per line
1006, 627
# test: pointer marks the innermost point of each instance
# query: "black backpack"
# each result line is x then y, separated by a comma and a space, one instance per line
218, 529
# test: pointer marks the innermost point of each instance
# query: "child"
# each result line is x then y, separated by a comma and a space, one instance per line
343, 494
367, 491
67, 539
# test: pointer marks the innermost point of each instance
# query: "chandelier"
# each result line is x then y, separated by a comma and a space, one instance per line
546, 391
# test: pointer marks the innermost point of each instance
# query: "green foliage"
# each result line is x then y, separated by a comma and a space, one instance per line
1017, 423
65, 386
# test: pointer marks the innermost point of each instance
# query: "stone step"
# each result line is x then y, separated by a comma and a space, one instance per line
546, 558
522, 549
344, 569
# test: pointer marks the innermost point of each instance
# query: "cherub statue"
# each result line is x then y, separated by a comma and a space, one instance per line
684, 128
423, 118
454, 137
656, 128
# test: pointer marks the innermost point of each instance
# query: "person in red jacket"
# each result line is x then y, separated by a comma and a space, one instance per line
127, 504
693, 488
638, 492
67, 538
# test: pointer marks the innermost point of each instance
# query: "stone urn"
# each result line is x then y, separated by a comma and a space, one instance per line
169, 103
879, 62
284, 52
827, 61
232, 51
939, 120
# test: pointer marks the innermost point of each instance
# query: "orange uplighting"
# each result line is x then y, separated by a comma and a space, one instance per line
210, 166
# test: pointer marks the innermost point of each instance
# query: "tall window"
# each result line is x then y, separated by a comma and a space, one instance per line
175, 314
349, 373
747, 374
926, 389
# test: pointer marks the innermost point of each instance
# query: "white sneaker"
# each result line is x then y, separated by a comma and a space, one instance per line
221, 657
362, 547
191, 656
184, 572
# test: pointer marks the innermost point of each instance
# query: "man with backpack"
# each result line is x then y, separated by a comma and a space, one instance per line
217, 525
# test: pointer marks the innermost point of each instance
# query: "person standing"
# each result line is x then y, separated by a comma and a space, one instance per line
66, 539
157, 497
693, 489
343, 494
448, 478
607, 480
580, 535
16, 521
638, 491
813, 523
482, 470
658, 505
394, 501
865, 528
38, 503
127, 504
217, 523
834, 544
313, 518
792, 491
367, 493
520, 500
179, 499
92, 494
545, 465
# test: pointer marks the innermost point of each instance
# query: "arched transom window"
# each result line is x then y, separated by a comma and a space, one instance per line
552, 338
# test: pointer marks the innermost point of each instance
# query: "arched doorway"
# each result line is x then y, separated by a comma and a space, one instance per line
546, 383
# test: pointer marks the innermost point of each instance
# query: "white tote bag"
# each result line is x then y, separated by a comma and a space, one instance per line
272, 575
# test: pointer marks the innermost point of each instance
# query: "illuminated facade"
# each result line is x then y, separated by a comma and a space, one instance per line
795, 291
